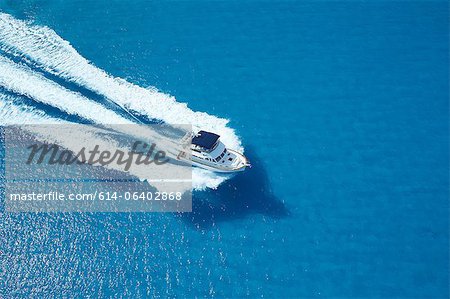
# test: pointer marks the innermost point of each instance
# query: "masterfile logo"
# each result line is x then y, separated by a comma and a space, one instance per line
54, 154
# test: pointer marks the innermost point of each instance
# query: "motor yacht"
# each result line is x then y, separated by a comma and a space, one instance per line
208, 152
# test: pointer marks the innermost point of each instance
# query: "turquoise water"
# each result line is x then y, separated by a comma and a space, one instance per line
343, 110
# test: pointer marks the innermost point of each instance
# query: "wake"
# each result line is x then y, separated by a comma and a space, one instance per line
23, 81
47, 50
44, 50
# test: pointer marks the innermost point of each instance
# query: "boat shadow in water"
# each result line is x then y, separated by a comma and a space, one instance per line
246, 193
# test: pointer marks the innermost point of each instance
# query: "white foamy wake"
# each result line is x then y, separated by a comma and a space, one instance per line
24, 81
49, 51
46, 50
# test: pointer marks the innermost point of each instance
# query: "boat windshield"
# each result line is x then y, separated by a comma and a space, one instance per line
221, 156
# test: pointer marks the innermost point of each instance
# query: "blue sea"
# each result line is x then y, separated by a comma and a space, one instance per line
342, 108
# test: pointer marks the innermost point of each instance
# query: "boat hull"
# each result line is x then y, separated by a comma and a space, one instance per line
241, 166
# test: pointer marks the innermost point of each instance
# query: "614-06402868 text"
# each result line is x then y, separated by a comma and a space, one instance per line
102, 196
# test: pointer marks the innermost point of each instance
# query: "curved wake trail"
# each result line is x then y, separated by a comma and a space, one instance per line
22, 80
41, 47
49, 51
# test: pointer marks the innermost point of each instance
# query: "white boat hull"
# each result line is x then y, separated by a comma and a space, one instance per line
242, 165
